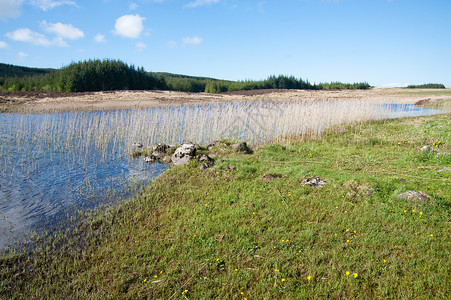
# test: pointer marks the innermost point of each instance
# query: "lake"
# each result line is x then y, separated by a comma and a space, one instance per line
52, 165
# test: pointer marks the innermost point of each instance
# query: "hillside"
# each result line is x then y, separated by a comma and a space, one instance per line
7, 70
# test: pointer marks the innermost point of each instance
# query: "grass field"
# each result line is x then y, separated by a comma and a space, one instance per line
248, 228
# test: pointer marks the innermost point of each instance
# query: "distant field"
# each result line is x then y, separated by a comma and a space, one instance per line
49, 102
427, 92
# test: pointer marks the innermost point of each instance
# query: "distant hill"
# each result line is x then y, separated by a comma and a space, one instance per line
171, 75
106, 75
19, 71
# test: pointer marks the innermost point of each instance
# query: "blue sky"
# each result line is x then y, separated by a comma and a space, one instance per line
383, 42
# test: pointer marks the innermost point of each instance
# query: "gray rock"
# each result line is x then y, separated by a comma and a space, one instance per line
150, 159
205, 166
203, 158
161, 150
241, 148
425, 148
183, 154
414, 196
314, 182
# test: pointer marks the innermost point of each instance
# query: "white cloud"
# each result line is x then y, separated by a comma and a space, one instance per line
133, 6
3, 45
9, 8
129, 26
64, 31
99, 38
198, 3
140, 46
195, 40
172, 44
22, 55
49, 4
28, 36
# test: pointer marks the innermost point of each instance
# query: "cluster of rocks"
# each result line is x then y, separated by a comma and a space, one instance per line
183, 154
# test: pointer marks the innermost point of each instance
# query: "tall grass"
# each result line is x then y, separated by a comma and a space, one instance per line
82, 134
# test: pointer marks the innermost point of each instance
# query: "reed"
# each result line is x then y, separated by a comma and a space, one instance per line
81, 135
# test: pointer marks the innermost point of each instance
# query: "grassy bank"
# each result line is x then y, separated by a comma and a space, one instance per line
248, 228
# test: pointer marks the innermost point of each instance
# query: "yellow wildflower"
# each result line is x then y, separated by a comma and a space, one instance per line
347, 272
309, 277
355, 275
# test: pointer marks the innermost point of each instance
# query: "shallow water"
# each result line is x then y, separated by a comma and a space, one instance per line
54, 164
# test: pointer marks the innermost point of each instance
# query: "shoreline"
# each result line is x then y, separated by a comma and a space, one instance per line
54, 102
249, 222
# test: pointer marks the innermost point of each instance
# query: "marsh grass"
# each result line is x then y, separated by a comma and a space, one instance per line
229, 232
105, 134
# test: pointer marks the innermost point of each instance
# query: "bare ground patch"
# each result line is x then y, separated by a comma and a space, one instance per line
44, 102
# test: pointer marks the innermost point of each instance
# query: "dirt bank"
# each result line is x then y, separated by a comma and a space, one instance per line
44, 102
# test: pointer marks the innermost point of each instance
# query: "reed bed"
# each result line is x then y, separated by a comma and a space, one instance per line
108, 134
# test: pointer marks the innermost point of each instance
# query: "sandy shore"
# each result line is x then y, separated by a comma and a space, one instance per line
44, 102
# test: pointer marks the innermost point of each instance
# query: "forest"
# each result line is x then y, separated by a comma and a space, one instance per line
107, 75
427, 86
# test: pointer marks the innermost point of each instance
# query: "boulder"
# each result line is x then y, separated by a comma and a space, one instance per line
204, 158
161, 150
414, 196
183, 154
314, 182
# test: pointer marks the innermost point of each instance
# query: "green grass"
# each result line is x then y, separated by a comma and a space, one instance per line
230, 233
423, 92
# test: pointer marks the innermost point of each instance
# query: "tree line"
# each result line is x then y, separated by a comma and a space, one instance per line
105, 75
427, 86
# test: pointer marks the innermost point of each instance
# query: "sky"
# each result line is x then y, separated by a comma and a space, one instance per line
386, 43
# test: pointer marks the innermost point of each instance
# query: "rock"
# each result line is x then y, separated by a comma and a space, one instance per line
205, 166
204, 158
425, 148
183, 154
414, 196
150, 159
241, 148
137, 145
161, 150
314, 182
